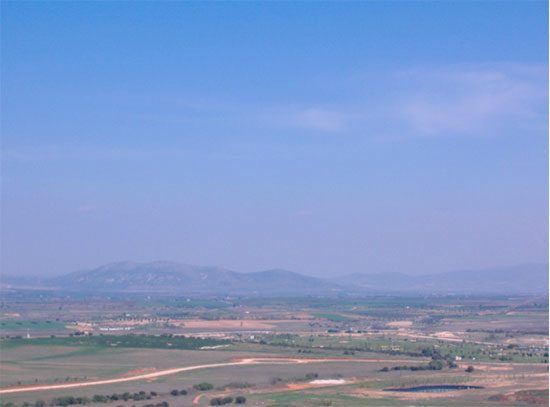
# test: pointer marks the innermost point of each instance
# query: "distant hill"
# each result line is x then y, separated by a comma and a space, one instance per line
176, 278
527, 278
183, 278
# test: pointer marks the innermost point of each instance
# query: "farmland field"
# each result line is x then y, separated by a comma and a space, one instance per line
273, 352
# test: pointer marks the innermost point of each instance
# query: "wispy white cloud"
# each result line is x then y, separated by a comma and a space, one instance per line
457, 100
473, 100
468, 100
319, 119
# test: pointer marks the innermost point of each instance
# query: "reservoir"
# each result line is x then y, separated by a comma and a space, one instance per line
435, 388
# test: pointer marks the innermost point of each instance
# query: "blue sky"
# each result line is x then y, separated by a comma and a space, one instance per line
325, 138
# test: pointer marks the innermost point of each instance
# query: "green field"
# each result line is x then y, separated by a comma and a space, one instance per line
15, 325
118, 341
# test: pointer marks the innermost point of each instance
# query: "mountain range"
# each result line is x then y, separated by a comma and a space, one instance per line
526, 278
176, 278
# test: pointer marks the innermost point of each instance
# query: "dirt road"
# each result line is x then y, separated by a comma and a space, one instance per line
166, 372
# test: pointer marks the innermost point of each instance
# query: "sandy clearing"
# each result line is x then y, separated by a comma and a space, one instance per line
400, 324
448, 335
315, 384
529, 340
226, 324
11, 315
487, 368
166, 372
139, 371
327, 382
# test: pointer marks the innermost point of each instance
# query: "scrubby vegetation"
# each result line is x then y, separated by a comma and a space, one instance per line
433, 365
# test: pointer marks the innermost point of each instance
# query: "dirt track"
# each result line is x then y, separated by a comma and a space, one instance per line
166, 372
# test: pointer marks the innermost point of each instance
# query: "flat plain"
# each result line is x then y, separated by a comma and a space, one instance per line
131, 350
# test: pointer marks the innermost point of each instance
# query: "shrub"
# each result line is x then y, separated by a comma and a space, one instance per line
203, 386
469, 369
219, 401
98, 398
238, 385
435, 365
240, 400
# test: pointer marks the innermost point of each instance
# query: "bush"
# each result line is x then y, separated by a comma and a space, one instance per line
451, 363
237, 385
68, 400
240, 400
219, 401
435, 365
469, 369
98, 398
275, 380
203, 386
183, 392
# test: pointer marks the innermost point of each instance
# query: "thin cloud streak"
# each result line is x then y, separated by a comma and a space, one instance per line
475, 101
458, 100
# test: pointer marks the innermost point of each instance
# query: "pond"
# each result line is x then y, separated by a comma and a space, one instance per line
435, 388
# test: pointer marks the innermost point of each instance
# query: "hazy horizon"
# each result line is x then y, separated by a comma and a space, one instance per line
237, 135
324, 276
